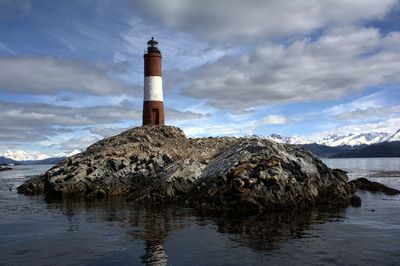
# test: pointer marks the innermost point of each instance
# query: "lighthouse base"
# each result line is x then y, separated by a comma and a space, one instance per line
153, 113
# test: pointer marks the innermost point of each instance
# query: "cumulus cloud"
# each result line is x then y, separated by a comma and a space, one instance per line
58, 115
78, 143
390, 125
173, 114
246, 21
47, 75
38, 121
342, 61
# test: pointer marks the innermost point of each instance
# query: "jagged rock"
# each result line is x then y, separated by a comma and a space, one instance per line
364, 184
159, 164
33, 186
261, 175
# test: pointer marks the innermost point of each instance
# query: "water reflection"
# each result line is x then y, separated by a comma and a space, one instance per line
270, 231
154, 225
80, 232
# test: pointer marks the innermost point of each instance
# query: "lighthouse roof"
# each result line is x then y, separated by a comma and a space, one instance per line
152, 42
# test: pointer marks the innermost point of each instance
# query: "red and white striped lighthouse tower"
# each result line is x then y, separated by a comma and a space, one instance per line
153, 105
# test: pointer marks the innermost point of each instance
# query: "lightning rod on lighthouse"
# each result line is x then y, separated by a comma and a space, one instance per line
153, 105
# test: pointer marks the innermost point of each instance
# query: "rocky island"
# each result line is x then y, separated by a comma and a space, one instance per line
159, 164
5, 168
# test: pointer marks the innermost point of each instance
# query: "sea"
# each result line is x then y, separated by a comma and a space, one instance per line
34, 231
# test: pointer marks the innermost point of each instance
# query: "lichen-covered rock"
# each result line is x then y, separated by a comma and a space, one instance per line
364, 184
159, 164
33, 186
257, 175
150, 163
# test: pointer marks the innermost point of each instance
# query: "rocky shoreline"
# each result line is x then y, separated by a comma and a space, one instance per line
158, 164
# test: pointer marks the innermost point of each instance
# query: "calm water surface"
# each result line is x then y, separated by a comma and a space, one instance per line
36, 232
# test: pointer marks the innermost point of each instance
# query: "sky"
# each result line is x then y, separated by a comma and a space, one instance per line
71, 72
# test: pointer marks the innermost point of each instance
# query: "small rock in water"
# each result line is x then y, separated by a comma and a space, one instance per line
355, 201
364, 184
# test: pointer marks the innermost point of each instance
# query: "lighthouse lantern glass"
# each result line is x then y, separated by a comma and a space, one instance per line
152, 43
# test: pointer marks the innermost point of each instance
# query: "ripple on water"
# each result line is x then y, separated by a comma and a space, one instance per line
78, 232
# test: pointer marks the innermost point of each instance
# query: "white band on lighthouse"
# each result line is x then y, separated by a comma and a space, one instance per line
153, 88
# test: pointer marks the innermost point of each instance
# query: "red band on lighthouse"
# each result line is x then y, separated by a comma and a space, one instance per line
153, 105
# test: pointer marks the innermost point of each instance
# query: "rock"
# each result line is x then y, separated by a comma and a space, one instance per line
340, 174
355, 201
33, 186
159, 164
5, 168
364, 184
286, 175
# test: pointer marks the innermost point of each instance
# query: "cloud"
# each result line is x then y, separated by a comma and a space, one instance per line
38, 121
59, 115
342, 61
173, 114
227, 129
369, 112
78, 143
106, 131
246, 21
390, 125
47, 75
382, 103
275, 119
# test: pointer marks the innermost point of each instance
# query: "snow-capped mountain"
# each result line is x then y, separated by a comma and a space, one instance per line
289, 140
352, 139
20, 155
68, 154
394, 137
72, 153
335, 139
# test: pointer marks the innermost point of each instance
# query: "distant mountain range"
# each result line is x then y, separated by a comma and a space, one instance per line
4, 160
372, 144
22, 157
335, 140
383, 149
7, 161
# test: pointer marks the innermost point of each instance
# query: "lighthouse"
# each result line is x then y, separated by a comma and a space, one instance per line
153, 105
